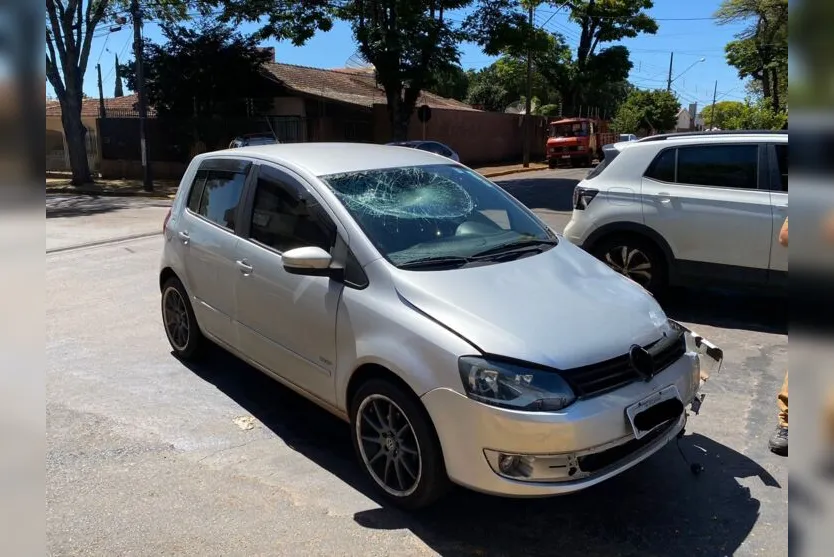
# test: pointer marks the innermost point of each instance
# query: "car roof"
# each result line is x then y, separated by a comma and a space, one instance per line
716, 135
322, 159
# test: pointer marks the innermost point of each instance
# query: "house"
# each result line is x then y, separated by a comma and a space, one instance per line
299, 103
689, 120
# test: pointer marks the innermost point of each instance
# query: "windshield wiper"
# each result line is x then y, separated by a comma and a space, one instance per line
439, 262
518, 246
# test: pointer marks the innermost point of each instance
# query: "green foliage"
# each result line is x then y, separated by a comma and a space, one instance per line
452, 83
760, 51
754, 116
209, 70
488, 96
648, 112
549, 110
722, 114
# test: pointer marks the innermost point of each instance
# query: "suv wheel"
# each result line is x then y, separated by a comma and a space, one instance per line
179, 321
397, 446
636, 258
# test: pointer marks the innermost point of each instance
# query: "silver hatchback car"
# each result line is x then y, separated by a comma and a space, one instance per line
462, 339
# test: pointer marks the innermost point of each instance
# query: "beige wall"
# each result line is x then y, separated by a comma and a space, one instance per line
477, 137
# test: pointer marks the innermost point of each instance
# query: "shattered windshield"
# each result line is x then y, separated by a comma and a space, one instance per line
434, 212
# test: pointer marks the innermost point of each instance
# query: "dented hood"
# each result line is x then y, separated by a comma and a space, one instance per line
561, 308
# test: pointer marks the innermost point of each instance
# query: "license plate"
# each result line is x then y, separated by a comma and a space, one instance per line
663, 395
565, 156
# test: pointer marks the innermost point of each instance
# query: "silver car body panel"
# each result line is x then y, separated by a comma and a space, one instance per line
560, 308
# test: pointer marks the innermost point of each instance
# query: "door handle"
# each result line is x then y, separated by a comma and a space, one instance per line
244, 266
184, 237
664, 197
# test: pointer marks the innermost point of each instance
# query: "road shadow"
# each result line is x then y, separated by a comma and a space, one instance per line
657, 508
728, 309
555, 194
77, 206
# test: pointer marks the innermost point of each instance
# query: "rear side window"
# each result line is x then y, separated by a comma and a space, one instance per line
220, 197
663, 167
196, 192
725, 166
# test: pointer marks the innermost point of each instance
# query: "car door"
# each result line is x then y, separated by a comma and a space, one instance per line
712, 206
779, 205
209, 243
286, 322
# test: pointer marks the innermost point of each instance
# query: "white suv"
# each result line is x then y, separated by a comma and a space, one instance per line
693, 208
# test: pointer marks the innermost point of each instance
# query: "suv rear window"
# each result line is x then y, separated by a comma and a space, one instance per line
663, 167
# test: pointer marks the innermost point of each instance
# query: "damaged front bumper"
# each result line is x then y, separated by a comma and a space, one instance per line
710, 359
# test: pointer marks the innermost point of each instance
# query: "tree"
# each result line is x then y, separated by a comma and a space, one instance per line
488, 96
452, 83
205, 70
723, 113
70, 25
761, 50
648, 112
69, 36
118, 91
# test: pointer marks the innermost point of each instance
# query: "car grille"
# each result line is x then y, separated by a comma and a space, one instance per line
596, 379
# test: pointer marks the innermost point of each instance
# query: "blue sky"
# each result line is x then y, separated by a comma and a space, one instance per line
687, 28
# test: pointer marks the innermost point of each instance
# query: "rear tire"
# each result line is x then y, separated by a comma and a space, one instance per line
636, 258
180, 323
397, 446
551, 164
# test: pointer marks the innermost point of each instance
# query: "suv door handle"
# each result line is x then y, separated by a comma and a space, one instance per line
664, 197
244, 266
184, 237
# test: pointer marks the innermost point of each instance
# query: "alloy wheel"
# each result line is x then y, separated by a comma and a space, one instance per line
175, 315
631, 262
388, 445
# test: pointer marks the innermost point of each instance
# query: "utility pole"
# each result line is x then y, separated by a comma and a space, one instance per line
102, 112
714, 100
669, 81
147, 180
528, 103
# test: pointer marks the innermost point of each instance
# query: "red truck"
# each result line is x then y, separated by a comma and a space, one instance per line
577, 140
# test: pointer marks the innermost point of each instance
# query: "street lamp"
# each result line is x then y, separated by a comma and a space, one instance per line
696, 62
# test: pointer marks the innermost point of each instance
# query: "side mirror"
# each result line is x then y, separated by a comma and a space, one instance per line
308, 261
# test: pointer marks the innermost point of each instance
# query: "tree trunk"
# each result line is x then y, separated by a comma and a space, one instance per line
76, 135
400, 109
774, 89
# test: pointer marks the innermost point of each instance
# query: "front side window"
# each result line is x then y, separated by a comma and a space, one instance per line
725, 166
435, 212
221, 197
286, 217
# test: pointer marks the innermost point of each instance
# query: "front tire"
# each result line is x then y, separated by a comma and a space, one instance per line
397, 445
180, 324
636, 258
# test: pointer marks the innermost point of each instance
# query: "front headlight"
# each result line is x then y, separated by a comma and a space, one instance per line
511, 386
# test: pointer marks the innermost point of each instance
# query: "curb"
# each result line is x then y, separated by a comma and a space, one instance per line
110, 193
510, 172
99, 243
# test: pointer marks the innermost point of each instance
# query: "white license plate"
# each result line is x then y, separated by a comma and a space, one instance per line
667, 393
565, 156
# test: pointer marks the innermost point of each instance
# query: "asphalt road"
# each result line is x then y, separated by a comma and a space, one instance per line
145, 457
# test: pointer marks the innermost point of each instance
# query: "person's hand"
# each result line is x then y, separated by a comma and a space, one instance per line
783, 234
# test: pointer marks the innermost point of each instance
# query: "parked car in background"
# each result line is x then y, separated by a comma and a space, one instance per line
415, 299
253, 139
430, 146
628, 137
701, 208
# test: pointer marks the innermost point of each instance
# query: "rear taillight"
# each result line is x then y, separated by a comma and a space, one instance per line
165, 222
582, 197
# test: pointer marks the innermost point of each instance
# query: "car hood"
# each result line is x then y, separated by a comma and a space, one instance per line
563, 141
561, 308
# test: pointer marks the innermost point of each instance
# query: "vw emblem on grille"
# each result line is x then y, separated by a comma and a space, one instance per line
642, 362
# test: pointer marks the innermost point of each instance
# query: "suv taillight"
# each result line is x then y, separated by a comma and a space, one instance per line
165, 223
582, 197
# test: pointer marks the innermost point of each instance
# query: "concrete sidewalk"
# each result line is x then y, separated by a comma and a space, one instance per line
167, 189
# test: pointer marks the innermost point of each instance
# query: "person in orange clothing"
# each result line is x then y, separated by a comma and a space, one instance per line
779, 440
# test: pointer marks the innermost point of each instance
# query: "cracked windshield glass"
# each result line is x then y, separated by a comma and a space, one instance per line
437, 212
